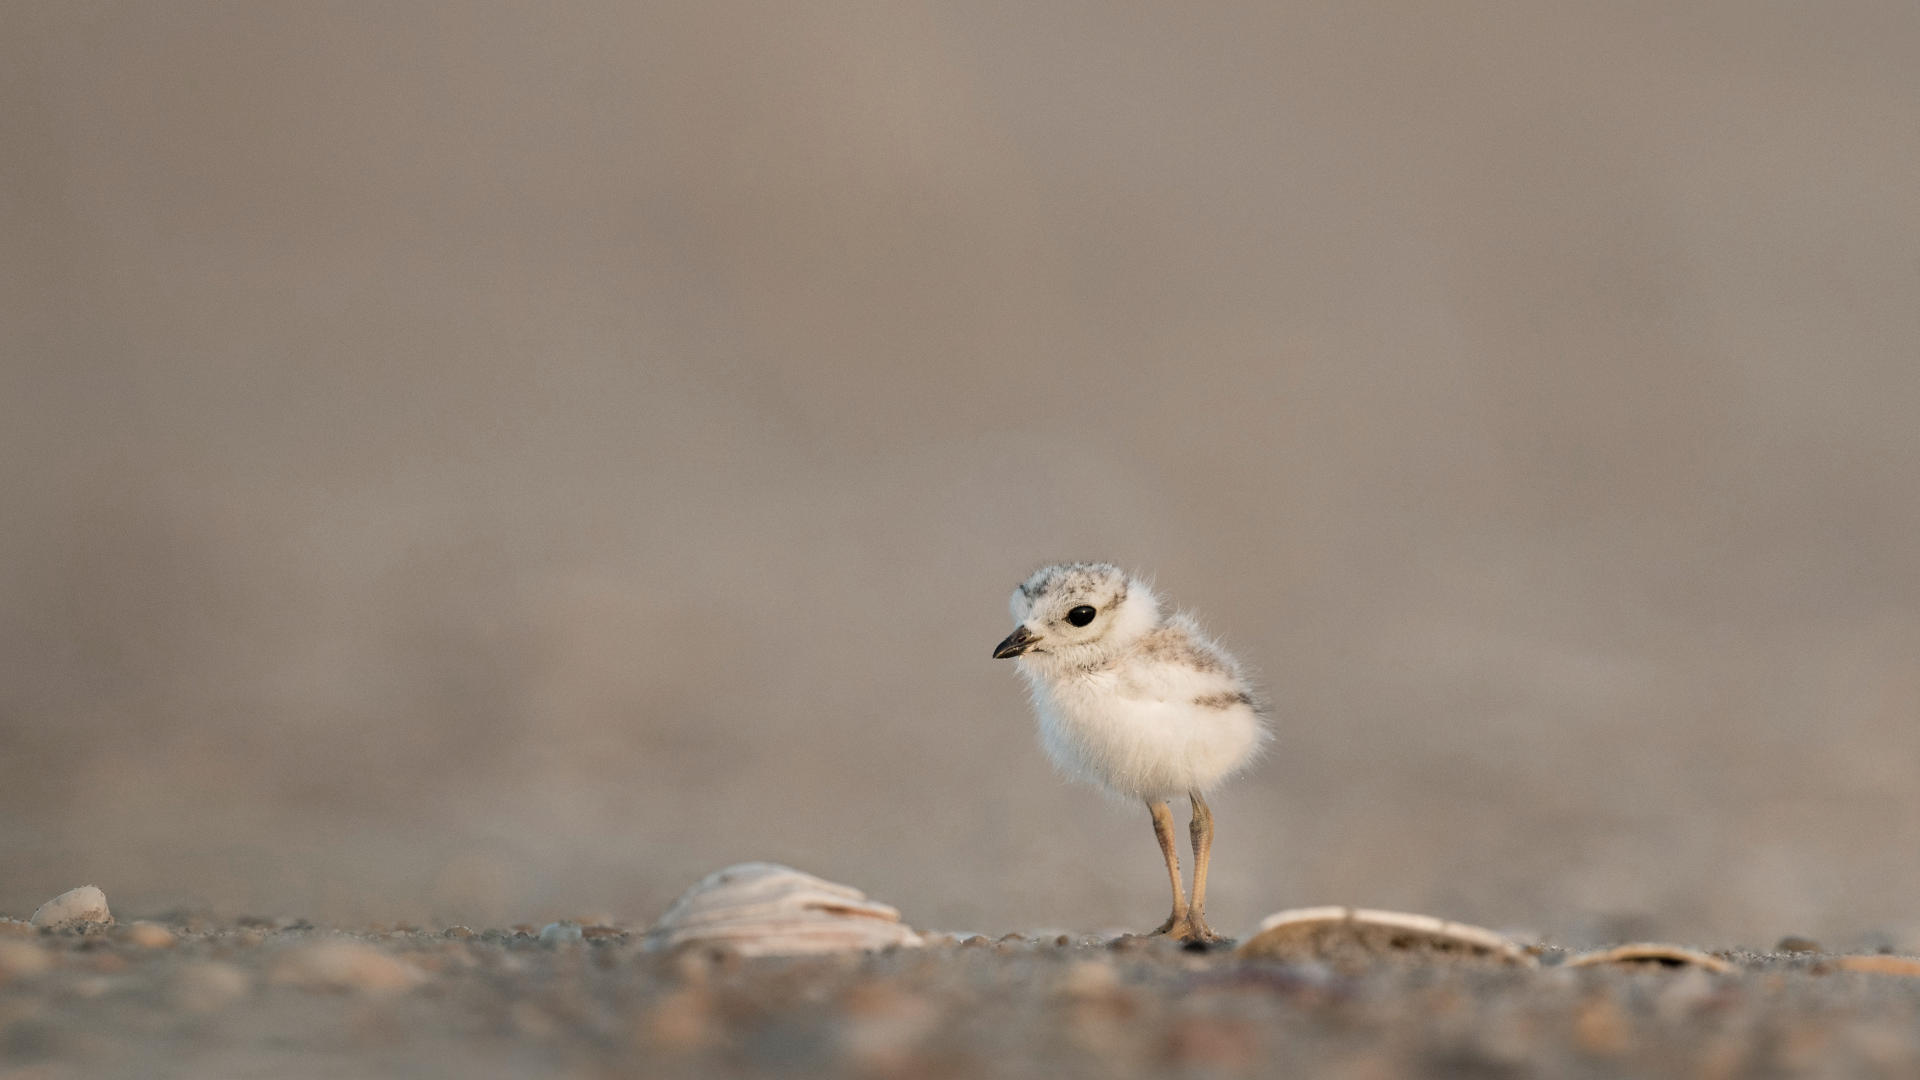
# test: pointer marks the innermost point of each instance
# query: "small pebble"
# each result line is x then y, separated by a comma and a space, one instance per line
108, 963
84, 906
883, 1027
531, 1021
209, 986
561, 933
1213, 1045
1600, 1028
684, 1021
454, 956
21, 959
344, 965
458, 933
1793, 943
1685, 994
149, 935
94, 986
1089, 979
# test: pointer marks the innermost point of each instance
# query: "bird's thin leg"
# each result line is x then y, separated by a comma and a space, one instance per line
1201, 829
1163, 831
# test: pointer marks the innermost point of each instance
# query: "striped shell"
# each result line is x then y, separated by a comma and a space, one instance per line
1651, 954
765, 909
1346, 933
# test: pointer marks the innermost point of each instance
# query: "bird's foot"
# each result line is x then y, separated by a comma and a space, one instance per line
1199, 935
1188, 928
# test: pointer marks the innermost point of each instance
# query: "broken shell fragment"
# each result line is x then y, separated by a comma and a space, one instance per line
765, 909
1652, 954
1345, 933
1877, 964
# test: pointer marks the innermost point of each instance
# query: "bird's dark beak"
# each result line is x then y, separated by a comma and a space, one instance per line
1017, 642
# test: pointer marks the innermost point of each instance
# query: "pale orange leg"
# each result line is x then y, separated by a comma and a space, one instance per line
1201, 830
1163, 831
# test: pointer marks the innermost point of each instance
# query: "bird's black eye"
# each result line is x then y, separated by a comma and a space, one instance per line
1081, 615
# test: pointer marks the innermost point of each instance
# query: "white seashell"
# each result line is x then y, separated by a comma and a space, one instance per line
1652, 954
83, 906
765, 909
1323, 932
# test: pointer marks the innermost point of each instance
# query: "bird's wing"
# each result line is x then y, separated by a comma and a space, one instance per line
1177, 663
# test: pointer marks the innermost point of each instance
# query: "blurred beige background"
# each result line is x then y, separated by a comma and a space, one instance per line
492, 462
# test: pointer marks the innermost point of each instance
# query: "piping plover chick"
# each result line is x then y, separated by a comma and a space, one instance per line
1136, 702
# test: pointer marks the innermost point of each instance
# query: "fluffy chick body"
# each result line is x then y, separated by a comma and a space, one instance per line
1139, 703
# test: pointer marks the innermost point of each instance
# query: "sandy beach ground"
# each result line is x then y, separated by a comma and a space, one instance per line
490, 464
192, 996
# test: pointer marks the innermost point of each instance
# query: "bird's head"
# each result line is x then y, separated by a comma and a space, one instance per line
1075, 613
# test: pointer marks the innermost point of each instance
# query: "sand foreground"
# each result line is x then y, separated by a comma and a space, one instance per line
253, 997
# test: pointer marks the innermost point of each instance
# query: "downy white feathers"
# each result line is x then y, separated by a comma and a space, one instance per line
1134, 701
